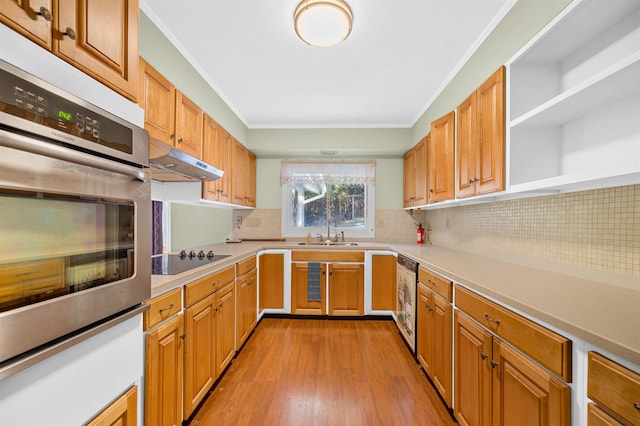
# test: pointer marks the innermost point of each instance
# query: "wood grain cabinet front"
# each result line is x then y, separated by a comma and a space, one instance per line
122, 412
271, 281
480, 139
615, 389
247, 299
506, 367
415, 175
99, 38
434, 332
207, 329
441, 159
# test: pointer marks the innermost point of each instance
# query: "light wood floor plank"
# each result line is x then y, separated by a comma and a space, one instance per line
323, 372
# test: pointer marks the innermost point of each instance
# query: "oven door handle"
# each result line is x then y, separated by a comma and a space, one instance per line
35, 146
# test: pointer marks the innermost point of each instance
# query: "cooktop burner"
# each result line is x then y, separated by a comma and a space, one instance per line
172, 264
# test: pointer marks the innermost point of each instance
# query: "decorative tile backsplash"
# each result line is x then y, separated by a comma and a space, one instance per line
391, 225
598, 229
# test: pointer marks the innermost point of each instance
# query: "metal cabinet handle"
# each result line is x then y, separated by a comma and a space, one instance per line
216, 282
172, 136
45, 13
470, 181
69, 32
166, 309
493, 364
637, 405
483, 355
183, 336
180, 140
488, 318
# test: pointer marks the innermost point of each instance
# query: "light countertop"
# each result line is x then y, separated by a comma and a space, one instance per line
602, 314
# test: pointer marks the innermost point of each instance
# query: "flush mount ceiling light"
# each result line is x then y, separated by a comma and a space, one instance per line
323, 23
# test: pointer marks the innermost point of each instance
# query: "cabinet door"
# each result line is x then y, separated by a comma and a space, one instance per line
242, 302
424, 337
188, 129
200, 352
491, 139
239, 159
466, 144
409, 181
271, 281
225, 326
472, 373
250, 190
525, 394
252, 306
441, 160
158, 99
346, 289
105, 40
441, 347
420, 173
29, 18
211, 154
163, 374
383, 282
123, 412
598, 417
300, 303
224, 183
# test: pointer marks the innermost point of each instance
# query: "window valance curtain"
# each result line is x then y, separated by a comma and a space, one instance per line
310, 172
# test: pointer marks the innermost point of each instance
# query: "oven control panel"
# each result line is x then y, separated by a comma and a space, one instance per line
31, 102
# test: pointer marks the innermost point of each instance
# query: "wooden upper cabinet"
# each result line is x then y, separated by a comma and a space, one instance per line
158, 99
466, 144
98, 37
105, 44
243, 179
239, 159
441, 160
250, 184
216, 150
415, 175
408, 189
480, 140
188, 130
33, 19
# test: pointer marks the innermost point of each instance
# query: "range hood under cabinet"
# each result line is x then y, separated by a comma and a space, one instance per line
169, 164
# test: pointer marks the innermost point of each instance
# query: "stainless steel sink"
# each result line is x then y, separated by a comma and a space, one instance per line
328, 243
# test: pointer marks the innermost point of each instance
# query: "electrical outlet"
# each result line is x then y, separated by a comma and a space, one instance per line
238, 220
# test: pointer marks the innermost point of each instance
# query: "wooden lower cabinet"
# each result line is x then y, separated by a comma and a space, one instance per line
434, 340
200, 365
271, 280
209, 344
300, 303
596, 416
616, 391
346, 289
123, 412
383, 282
495, 384
163, 373
246, 313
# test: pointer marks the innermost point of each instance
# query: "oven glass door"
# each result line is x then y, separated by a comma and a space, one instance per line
406, 304
55, 244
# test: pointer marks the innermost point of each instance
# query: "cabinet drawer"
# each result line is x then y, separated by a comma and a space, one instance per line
246, 265
436, 283
548, 348
327, 256
162, 307
614, 387
598, 417
199, 289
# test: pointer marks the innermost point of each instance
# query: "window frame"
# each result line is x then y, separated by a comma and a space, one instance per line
366, 231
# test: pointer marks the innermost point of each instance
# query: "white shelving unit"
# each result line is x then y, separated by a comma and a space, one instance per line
574, 101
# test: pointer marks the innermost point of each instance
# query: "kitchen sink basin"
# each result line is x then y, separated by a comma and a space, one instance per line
328, 243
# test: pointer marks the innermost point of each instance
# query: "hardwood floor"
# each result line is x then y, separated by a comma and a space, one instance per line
323, 372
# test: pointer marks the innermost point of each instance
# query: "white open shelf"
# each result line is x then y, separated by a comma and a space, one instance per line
574, 100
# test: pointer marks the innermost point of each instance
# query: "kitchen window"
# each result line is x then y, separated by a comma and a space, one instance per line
321, 196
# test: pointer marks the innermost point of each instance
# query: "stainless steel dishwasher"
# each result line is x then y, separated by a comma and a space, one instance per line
406, 289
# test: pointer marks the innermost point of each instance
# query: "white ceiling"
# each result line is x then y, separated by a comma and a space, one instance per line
399, 56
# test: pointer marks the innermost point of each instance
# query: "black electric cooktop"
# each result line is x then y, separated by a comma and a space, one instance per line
172, 264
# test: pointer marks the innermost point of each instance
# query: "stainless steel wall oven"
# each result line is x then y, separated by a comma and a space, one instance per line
75, 206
